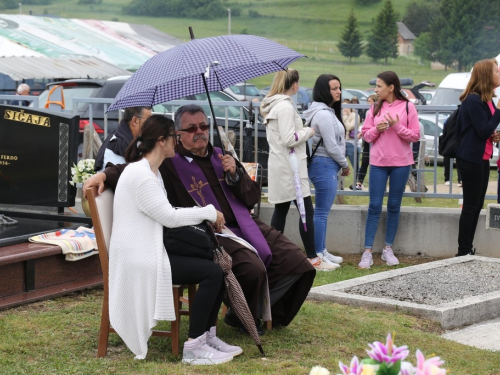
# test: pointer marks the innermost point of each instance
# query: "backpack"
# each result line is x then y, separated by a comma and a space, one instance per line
448, 141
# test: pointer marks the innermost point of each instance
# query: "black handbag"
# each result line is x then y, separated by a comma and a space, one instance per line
189, 241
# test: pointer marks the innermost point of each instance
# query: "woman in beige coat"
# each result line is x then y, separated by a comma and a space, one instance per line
285, 130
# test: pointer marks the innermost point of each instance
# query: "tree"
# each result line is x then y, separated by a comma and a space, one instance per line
419, 15
350, 40
424, 47
383, 42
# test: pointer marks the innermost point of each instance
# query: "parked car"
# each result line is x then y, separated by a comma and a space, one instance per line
233, 122
427, 94
432, 140
304, 98
244, 92
361, 94
89, 88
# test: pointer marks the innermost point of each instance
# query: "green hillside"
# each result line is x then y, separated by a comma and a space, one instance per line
312, 27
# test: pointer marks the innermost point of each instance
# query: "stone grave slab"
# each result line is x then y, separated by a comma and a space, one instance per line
455, 292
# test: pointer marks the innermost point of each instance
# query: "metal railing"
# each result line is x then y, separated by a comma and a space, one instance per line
243, 119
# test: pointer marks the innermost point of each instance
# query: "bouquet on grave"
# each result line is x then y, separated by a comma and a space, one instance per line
82, 171
387, 359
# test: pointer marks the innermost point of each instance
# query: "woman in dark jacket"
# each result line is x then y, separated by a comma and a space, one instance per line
476, 124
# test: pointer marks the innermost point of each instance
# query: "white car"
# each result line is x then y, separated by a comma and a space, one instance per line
428, 122
246, 92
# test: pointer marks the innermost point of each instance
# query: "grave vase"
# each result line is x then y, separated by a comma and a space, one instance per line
85, 206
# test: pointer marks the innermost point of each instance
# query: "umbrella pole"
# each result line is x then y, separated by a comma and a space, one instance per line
213, 114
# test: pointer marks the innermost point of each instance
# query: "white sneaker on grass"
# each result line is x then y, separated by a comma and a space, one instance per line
366, 260
389, 257
198, 352
221, 346
321, 265
332, 258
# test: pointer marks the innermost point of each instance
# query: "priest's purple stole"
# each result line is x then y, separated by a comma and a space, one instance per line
196, 184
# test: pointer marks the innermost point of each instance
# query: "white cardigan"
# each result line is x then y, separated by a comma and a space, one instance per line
140, 281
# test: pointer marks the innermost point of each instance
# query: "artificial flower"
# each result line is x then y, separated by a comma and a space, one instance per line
430, 366
388, 353
318, 370
355, 368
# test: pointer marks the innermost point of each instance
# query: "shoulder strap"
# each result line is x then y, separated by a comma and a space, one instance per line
320, 140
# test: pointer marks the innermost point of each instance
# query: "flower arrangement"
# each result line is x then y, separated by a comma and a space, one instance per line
387, 359
82, 171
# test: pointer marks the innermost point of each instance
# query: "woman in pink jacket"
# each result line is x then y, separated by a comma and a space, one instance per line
390, 126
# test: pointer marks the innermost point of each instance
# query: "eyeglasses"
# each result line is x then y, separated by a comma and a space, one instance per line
194, 129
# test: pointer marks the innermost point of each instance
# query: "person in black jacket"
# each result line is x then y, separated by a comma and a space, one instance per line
476, 124
114, 146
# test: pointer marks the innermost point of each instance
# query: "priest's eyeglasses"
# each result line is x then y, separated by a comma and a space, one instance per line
194, 129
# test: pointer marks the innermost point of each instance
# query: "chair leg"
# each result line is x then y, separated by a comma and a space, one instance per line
191, 294
102, 346
175, 325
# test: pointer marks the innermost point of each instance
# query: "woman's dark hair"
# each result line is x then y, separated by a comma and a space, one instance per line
389, 78
322, 94
155, 127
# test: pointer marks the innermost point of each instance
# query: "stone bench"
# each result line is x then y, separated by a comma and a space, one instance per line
30, 272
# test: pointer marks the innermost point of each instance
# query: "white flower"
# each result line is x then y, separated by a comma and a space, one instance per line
82, 171
318, 370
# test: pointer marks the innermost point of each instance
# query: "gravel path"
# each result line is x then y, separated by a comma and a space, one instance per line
437, 286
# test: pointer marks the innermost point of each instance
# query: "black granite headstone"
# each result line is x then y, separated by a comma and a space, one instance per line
493, 216
37, 150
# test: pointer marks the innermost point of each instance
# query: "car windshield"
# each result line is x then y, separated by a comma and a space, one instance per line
71, 92
430, 127
446, 97
216, 96
245, 90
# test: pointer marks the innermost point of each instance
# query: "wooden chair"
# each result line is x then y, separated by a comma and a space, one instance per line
101, 208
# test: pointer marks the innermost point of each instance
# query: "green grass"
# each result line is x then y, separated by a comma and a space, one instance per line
59, 336
313, 29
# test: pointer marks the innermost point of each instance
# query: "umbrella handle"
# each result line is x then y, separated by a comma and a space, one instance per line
213, 114
211, 231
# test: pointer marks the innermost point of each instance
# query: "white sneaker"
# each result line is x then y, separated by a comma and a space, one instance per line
198, 352
325, 260
366, 260
389, 257
332, 258
322, 265
447, 183
220, 345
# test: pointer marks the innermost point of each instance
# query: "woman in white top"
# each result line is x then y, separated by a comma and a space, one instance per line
141, 273
286, 132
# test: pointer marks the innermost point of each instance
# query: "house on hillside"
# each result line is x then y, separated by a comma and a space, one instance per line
405, 39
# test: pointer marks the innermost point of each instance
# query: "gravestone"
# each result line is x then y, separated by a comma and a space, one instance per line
493, 216
37, 150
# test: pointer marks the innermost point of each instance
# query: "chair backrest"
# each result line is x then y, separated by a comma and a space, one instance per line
101, 210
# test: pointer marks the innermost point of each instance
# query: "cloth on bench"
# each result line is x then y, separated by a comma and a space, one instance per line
76, 244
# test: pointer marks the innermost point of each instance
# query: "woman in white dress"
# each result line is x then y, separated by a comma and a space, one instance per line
141, 273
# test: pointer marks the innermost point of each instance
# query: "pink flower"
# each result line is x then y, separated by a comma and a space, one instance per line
354, 369
429, 366
388, 353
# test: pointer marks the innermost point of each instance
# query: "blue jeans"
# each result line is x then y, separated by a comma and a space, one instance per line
378, 182
349, 152
323, 174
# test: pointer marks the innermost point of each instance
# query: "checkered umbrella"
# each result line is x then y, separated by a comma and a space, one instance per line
203, 65
220, 61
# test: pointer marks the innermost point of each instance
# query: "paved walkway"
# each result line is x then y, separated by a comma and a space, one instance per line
482, 335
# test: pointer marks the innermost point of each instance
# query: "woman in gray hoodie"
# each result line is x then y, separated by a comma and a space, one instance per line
325, 117
284, 131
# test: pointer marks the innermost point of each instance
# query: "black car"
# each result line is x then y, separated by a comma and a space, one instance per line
233, 115
89, 88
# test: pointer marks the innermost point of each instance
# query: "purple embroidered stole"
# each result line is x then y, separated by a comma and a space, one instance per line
196, 184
